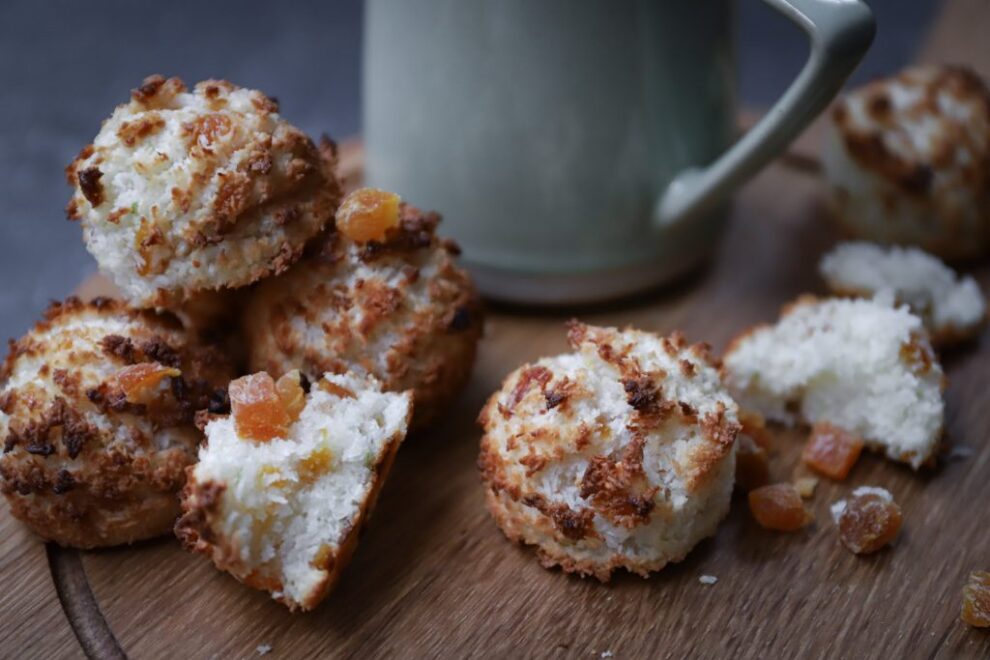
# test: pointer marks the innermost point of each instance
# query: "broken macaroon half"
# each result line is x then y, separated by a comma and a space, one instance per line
863, 366
285, 482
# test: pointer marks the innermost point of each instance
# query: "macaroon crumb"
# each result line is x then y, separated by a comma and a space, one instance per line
707, 579
952, 308
805, 487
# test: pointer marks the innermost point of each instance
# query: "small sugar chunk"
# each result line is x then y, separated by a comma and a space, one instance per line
264, 649
707, 579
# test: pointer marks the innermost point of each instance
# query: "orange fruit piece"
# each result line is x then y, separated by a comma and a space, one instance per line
868, 522
138, 380
752, 464
976, 600
258, 411
290, 392
368, 214
831, 451
778, 507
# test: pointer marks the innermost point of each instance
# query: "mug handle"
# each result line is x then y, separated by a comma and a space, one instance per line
840, 31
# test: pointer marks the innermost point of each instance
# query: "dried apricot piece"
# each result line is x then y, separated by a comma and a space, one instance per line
832, 451
976, 600
258, 411
367, 214
868, 520
778, 507
290, 391
139, 380
752, 464
755, 427
315, 465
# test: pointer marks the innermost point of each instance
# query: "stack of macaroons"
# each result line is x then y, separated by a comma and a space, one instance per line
186, 200
908, 161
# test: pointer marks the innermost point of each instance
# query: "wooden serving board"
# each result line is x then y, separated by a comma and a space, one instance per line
433, 576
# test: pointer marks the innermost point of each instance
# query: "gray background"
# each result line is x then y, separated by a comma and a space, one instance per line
65, 65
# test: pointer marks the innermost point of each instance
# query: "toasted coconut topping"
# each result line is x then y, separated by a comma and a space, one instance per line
189, 191
908, 158
615, 455
355, 306
96, 431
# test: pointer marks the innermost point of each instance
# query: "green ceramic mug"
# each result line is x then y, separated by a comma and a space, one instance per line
580, 150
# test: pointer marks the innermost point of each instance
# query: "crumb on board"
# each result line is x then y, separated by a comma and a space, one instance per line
607, 654
805, 486
707, 579
264, 649
960, 452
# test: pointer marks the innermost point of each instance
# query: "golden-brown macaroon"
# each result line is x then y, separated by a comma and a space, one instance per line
908, 161
184, 192
620, 454
384, 296
96, 413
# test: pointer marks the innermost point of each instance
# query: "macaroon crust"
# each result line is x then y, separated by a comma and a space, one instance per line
619, 455
401, 310
908, 161
88, 463
189, 191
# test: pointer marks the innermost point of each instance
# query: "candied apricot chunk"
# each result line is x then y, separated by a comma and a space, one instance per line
778, 507
315, 465
258, 411
976, 600
868, 520
752, 464
367, 214
139, 380
755, 427
290, 391
831, 451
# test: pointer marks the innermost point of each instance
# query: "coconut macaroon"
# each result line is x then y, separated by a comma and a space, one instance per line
863, 366
285, 482
96, 413
384, 296
908, 161
185, 192
952, 308
620, 454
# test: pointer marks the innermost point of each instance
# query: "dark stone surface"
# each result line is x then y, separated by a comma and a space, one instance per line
64, 66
